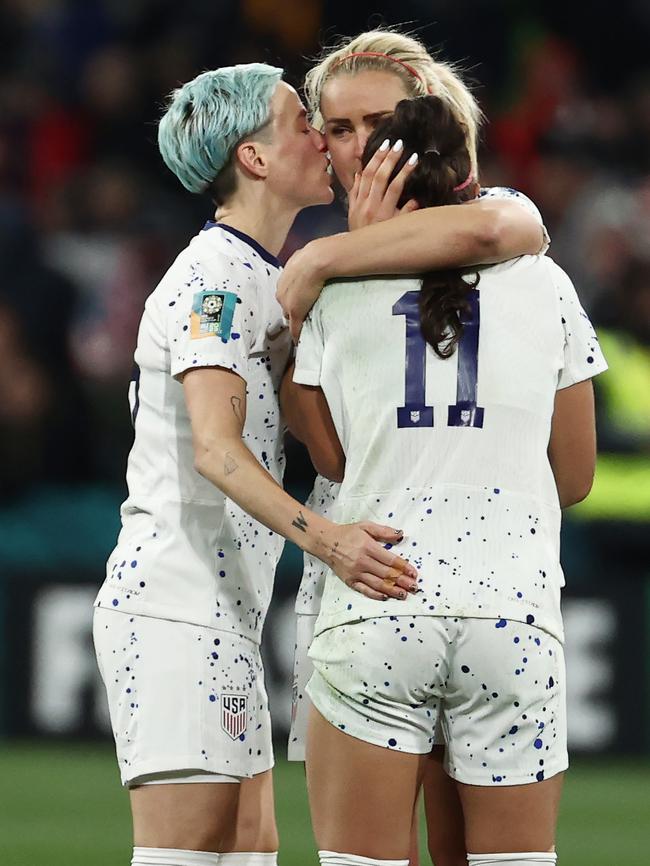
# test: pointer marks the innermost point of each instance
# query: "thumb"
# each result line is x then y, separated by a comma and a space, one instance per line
410, 206
386, 534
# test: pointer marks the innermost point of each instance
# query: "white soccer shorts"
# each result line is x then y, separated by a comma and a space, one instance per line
496, 686
182, 697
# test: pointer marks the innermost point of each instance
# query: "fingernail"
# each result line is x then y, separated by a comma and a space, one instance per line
402, 595
399, 144
399, 532
385, 598
413, 159
384, 145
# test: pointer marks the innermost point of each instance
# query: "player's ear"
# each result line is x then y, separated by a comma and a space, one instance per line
252, 159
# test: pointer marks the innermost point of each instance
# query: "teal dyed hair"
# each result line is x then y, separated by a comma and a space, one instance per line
207, 116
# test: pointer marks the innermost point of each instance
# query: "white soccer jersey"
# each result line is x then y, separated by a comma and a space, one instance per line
185, 551
323, 496
453, 451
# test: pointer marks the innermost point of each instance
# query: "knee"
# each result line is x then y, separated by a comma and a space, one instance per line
249, 833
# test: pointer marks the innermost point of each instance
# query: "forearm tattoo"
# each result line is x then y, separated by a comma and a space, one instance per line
300, 522
230, 465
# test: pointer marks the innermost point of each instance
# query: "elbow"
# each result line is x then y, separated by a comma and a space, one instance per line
204, 458
330, 467
577, 491
201, 460
331, 471
506, 232
491, 233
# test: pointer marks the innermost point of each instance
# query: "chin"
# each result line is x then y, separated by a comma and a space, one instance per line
325, 196
328, 197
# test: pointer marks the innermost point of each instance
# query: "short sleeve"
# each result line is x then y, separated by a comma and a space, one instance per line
583, 357
212, 323
309, 354
505, 192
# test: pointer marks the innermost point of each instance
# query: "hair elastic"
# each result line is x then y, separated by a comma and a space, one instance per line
410, 69
465, 183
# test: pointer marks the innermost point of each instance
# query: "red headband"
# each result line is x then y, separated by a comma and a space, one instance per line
410, 69
466, 182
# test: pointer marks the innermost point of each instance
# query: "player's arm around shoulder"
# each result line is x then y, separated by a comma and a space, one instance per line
309, 419
489, 229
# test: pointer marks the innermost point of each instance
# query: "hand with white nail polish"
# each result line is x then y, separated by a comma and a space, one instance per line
374, 196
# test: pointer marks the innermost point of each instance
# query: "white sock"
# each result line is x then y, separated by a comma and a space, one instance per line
248, 858
532, 858
331, 858
172, 857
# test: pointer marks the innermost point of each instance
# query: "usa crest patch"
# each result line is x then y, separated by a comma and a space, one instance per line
212, 314
234, 715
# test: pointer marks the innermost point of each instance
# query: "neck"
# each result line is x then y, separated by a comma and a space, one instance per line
260, 216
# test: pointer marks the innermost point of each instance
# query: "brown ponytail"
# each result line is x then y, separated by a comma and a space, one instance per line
428, 127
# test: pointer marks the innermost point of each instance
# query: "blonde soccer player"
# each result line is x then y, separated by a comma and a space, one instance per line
350, 90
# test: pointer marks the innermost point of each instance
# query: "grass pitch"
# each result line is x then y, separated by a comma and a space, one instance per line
62, 806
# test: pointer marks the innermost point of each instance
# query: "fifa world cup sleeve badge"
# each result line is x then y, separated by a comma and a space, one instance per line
212, 315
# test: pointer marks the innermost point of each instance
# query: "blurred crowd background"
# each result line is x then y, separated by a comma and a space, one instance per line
90, 219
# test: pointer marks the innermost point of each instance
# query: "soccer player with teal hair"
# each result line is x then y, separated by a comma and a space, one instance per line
207, 117
179, 617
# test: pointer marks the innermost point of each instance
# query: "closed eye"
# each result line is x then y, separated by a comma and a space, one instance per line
339, 131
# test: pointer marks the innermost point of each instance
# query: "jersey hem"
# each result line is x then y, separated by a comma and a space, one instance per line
133, 772
584, 375
306, 377
164, 613
556, 630
177, 370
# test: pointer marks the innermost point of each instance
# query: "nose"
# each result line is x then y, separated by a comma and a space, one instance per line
319, 140
361, 139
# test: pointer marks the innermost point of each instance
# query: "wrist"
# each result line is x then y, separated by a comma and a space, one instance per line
322, 257
318, 540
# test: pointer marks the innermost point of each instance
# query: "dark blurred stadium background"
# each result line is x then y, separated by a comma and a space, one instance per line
89, 221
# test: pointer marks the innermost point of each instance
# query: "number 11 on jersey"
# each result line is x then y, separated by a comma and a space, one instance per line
415, 412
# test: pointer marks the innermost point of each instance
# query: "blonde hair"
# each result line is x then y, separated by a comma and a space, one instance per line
435, 77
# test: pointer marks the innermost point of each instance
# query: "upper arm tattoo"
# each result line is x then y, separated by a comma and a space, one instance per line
236, 404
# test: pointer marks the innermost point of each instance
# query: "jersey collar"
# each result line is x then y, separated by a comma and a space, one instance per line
247, 239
